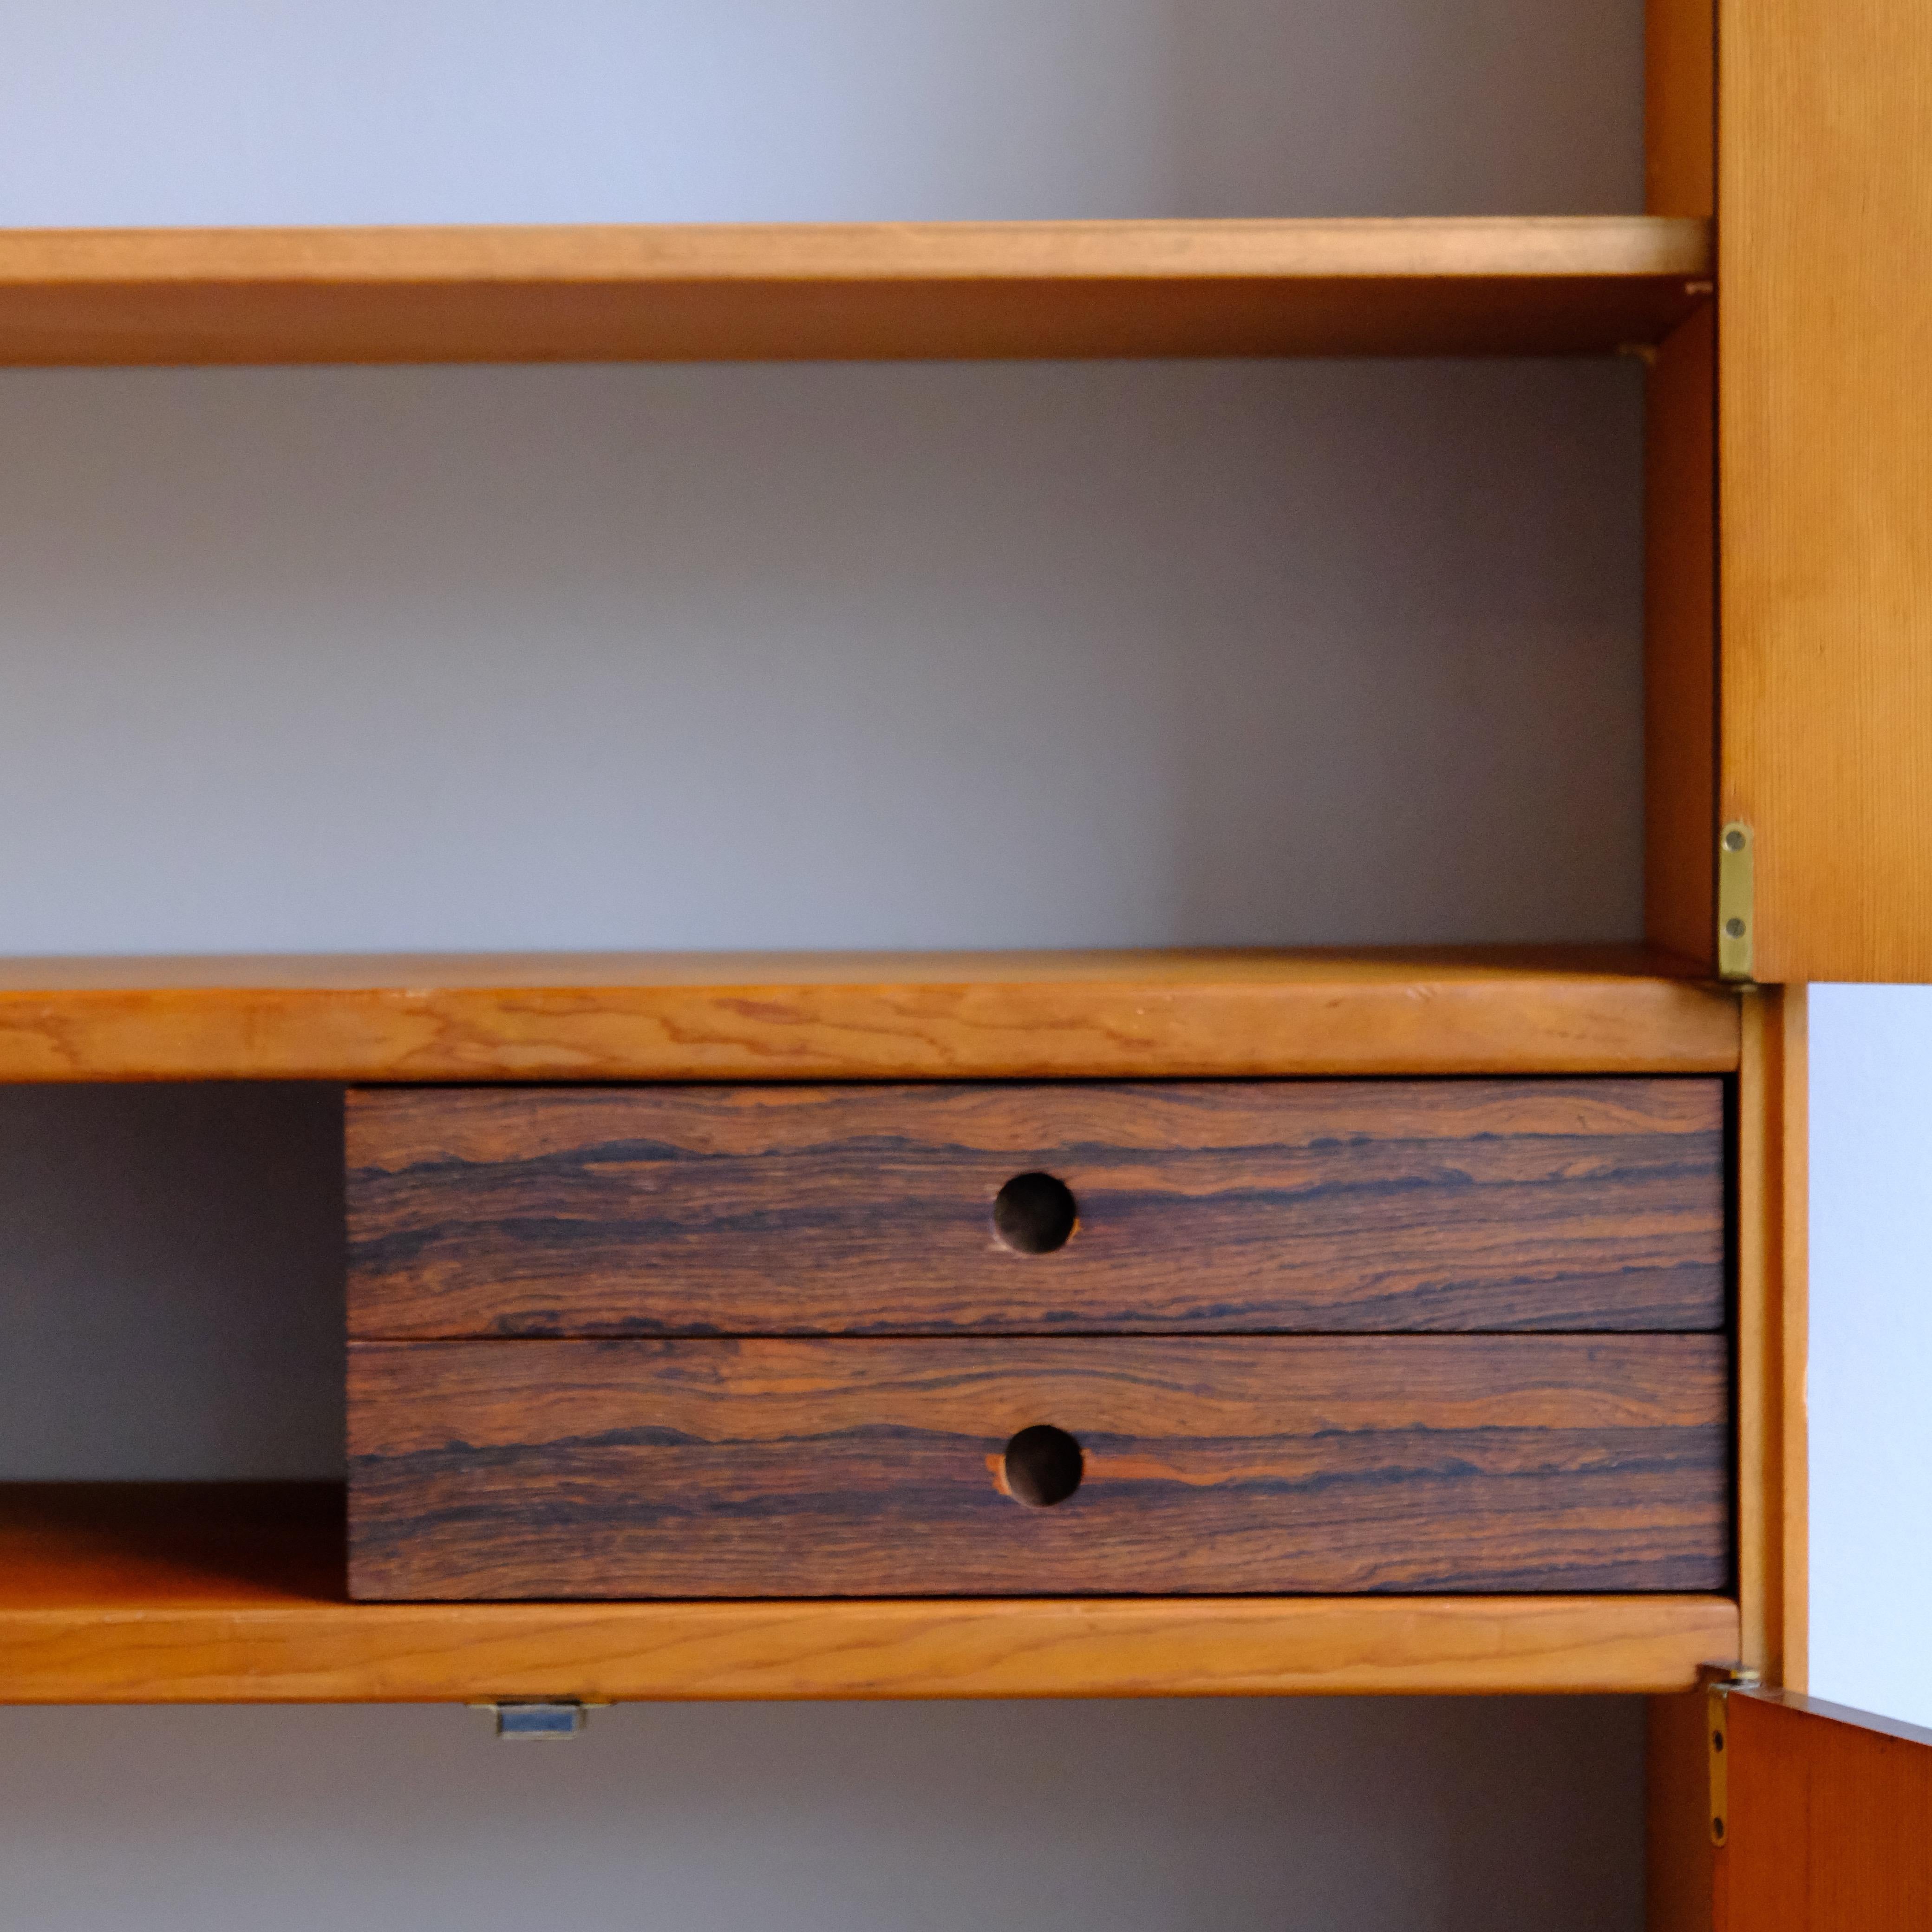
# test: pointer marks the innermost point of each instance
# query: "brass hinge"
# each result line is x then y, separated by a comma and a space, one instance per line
1718, 1686
1737, 913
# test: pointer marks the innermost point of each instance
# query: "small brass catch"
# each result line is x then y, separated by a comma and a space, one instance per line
1737, 911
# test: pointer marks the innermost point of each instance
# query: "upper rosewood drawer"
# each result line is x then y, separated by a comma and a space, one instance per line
1256, 1205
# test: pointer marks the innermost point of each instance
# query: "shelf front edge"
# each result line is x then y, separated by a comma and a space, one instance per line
328, 1653
1171, 1016
863, 291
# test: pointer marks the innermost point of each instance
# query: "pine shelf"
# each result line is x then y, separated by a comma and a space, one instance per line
829, 1016
1505, 286
232, 1593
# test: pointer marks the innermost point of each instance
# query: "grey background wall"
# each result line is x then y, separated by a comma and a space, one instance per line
807, 656
1097, 654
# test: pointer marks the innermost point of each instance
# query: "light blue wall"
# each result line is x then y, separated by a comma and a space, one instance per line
222, 111
1870, 1379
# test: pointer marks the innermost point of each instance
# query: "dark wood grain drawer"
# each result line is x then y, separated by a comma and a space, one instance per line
1307, 1206
865, 1467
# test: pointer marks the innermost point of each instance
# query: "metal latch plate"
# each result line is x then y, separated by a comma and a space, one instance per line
1737, 896
534, 1718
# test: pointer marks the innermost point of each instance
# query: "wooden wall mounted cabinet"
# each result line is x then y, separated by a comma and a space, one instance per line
1773, 287
526, 1313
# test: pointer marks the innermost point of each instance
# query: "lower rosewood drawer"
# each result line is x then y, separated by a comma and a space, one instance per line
699, 1468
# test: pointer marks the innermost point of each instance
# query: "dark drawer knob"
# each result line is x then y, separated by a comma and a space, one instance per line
1042, 1466
1034, 1213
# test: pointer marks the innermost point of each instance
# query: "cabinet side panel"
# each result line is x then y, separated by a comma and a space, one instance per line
1794, 1289
1772, 1557
1825, 418
1680, 647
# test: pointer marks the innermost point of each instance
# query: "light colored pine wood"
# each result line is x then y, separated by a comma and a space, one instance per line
198, 1594
1770, 1339
1795, 1311
1534, 285
1825, 338
1062, 1647
1682, 1882
818, 1016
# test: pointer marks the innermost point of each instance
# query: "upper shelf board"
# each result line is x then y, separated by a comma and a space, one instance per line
859, 1016
1519, 285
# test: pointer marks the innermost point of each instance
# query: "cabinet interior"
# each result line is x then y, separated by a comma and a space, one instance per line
1198, 649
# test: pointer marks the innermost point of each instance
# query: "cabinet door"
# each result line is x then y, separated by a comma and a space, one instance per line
1826, 1820
1825, 467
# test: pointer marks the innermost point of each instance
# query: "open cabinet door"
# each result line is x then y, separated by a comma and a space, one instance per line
1825, 469
1826, 1818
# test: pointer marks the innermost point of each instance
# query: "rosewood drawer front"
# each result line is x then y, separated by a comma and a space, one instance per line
1357, 1206
864, 1467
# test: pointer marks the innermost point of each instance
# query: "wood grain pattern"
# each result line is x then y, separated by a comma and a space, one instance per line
1830, 1827
1233, 1205
1774, 1539
1825, 417
223, 1593
1535, 285
711, 1467
861, 1016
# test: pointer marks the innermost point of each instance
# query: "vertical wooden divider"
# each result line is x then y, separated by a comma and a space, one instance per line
1680, 646
1680, 105
1771, 1336
1681, 1874
1680, 788
1680, 615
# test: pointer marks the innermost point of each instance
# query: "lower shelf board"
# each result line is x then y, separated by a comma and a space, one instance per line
232, 1593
